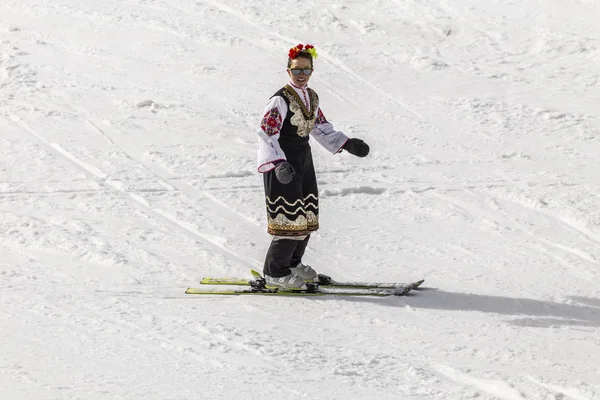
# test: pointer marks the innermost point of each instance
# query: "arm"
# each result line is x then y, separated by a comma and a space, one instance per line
269, 150
326, 135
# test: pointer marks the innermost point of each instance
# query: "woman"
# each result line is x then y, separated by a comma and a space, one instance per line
285, 160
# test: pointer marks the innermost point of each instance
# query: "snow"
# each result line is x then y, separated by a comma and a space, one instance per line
127, 173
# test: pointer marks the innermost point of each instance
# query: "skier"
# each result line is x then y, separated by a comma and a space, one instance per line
285, 160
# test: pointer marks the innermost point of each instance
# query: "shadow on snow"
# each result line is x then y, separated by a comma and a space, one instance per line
527, 312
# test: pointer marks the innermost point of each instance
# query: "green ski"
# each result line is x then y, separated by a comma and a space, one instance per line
322, 286
322, 280
290, 292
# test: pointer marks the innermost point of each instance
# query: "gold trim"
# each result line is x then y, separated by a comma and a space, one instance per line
282, 225
314, 102
301, 118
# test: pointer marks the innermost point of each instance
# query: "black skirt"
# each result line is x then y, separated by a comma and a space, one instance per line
293, 208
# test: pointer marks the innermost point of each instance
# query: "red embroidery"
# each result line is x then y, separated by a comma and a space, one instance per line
320, 118
304, 95
306, 102
271, 122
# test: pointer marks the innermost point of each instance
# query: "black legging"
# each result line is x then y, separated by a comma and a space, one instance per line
283, 254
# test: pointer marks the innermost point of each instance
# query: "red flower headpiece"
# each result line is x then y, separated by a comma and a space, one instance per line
299, 48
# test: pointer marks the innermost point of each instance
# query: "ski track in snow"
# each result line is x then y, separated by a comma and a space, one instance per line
498, 389
127, 173
561, 392
166, 216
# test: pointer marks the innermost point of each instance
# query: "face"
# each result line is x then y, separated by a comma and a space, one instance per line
301, 79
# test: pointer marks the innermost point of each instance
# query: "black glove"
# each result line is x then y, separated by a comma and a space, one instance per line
356, 147
284, 172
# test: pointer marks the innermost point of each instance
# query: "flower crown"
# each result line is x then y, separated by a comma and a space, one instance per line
302, 48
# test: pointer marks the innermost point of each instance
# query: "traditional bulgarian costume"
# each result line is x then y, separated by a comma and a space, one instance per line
291, 117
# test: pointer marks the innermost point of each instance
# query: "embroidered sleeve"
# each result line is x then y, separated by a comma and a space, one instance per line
271, 122
269, 151
320, 118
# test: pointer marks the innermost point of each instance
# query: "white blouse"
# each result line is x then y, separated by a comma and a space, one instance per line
275, 112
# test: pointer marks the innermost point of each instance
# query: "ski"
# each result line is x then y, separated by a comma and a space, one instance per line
322, 286
298, 292
322, 280
327, 281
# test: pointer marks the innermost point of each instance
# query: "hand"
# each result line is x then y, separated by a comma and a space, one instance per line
356, 147
284, 172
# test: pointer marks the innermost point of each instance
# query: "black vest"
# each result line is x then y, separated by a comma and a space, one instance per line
299, 121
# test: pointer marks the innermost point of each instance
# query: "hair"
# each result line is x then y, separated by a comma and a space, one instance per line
302, 54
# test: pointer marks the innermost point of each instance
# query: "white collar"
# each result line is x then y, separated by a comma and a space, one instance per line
297, 88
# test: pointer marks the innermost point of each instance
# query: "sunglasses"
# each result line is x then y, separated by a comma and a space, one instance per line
297, 71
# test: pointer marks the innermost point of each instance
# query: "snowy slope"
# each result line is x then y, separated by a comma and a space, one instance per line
127, 173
